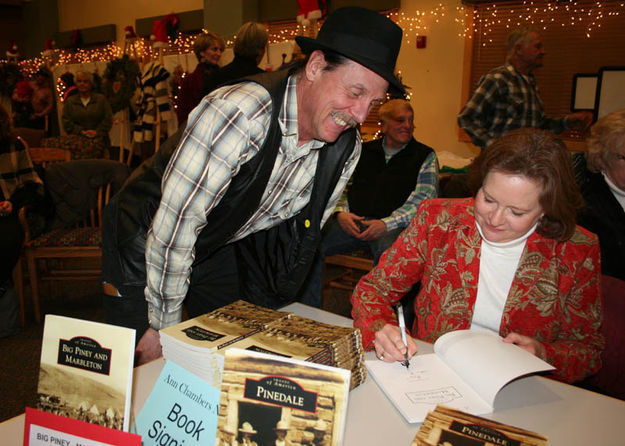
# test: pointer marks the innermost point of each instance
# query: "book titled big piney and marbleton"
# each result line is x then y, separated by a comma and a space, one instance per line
86, 371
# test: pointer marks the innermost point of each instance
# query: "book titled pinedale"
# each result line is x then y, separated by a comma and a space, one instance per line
86, 371
447, 426
265, 397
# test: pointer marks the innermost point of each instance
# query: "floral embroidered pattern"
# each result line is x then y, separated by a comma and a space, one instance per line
554, 297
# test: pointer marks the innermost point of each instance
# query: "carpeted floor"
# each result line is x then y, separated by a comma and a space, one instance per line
20, 353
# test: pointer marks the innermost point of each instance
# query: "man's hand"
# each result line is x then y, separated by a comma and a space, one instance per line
148, 348
350, 223
526, 343
389, 346
374, 229
579, 120
6, 207
90, 133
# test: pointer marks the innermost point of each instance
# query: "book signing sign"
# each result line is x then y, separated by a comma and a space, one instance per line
182, 409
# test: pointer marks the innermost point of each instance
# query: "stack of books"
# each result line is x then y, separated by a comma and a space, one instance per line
447, 426
198, 344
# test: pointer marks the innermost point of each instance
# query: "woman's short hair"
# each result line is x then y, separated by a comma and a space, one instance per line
251, 40
84, 75
205, 40
543, 158
606, 140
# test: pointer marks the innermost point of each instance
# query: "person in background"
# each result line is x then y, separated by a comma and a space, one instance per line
19, 186
604, 191
507, 97
21, 104
394, 174
208, 48
249, 48
281, 430
87, 119
67, 79
42, 99
510, 260
245, 434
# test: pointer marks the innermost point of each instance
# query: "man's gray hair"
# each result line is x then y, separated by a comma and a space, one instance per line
388, 108
519, 35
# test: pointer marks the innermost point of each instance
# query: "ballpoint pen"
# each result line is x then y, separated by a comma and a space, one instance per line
402, 328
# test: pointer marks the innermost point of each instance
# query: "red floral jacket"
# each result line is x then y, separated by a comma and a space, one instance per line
555, 295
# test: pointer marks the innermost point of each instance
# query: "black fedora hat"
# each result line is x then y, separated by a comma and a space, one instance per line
363, 36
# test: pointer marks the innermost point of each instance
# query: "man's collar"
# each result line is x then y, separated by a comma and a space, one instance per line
394, 149
288, 113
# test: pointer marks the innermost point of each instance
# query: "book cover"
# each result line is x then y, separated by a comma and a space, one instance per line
265, 398
466, 371
86, 371
44, 429
447, 426
181, 410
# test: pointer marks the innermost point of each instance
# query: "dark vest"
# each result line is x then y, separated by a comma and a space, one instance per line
604, 216
130, 215
379, 188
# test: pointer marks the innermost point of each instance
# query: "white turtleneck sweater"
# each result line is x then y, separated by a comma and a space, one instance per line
498, 264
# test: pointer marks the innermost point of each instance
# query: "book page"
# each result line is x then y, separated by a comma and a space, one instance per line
484, 361
427, 382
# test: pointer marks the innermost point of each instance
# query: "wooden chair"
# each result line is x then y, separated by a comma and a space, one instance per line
79, 242
610, 379
32, 137
350, 263
44, 157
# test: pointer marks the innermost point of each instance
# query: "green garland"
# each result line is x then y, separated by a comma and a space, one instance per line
120, 82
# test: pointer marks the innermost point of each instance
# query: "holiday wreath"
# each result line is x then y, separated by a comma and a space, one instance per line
120, 82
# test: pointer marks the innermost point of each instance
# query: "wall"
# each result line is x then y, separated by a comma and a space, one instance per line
434, 73
435, 77
75, 14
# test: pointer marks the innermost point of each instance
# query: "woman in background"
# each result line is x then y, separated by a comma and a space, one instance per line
208, 48
19, 185
87, 119
510, 260
604, 191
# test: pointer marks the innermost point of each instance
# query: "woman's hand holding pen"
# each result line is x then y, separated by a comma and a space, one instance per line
389, 346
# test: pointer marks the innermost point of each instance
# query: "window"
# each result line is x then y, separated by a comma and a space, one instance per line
569, 49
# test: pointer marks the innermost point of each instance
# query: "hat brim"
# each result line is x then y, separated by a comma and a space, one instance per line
309, 45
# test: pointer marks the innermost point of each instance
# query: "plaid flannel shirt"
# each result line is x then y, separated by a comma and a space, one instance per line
504, 100
224, 131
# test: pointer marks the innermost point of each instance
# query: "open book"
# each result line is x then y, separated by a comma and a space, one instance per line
466, 371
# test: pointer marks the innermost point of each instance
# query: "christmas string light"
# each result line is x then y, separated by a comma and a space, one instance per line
585, 14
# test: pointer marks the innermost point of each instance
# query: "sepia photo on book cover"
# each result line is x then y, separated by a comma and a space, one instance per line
86, 371
265, 398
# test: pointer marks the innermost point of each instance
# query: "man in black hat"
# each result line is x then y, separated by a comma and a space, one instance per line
257, 172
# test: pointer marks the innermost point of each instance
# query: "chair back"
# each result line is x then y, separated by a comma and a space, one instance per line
610, 380
31, 137
45, 156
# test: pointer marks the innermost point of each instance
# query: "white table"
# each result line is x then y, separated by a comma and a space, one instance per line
567, 415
